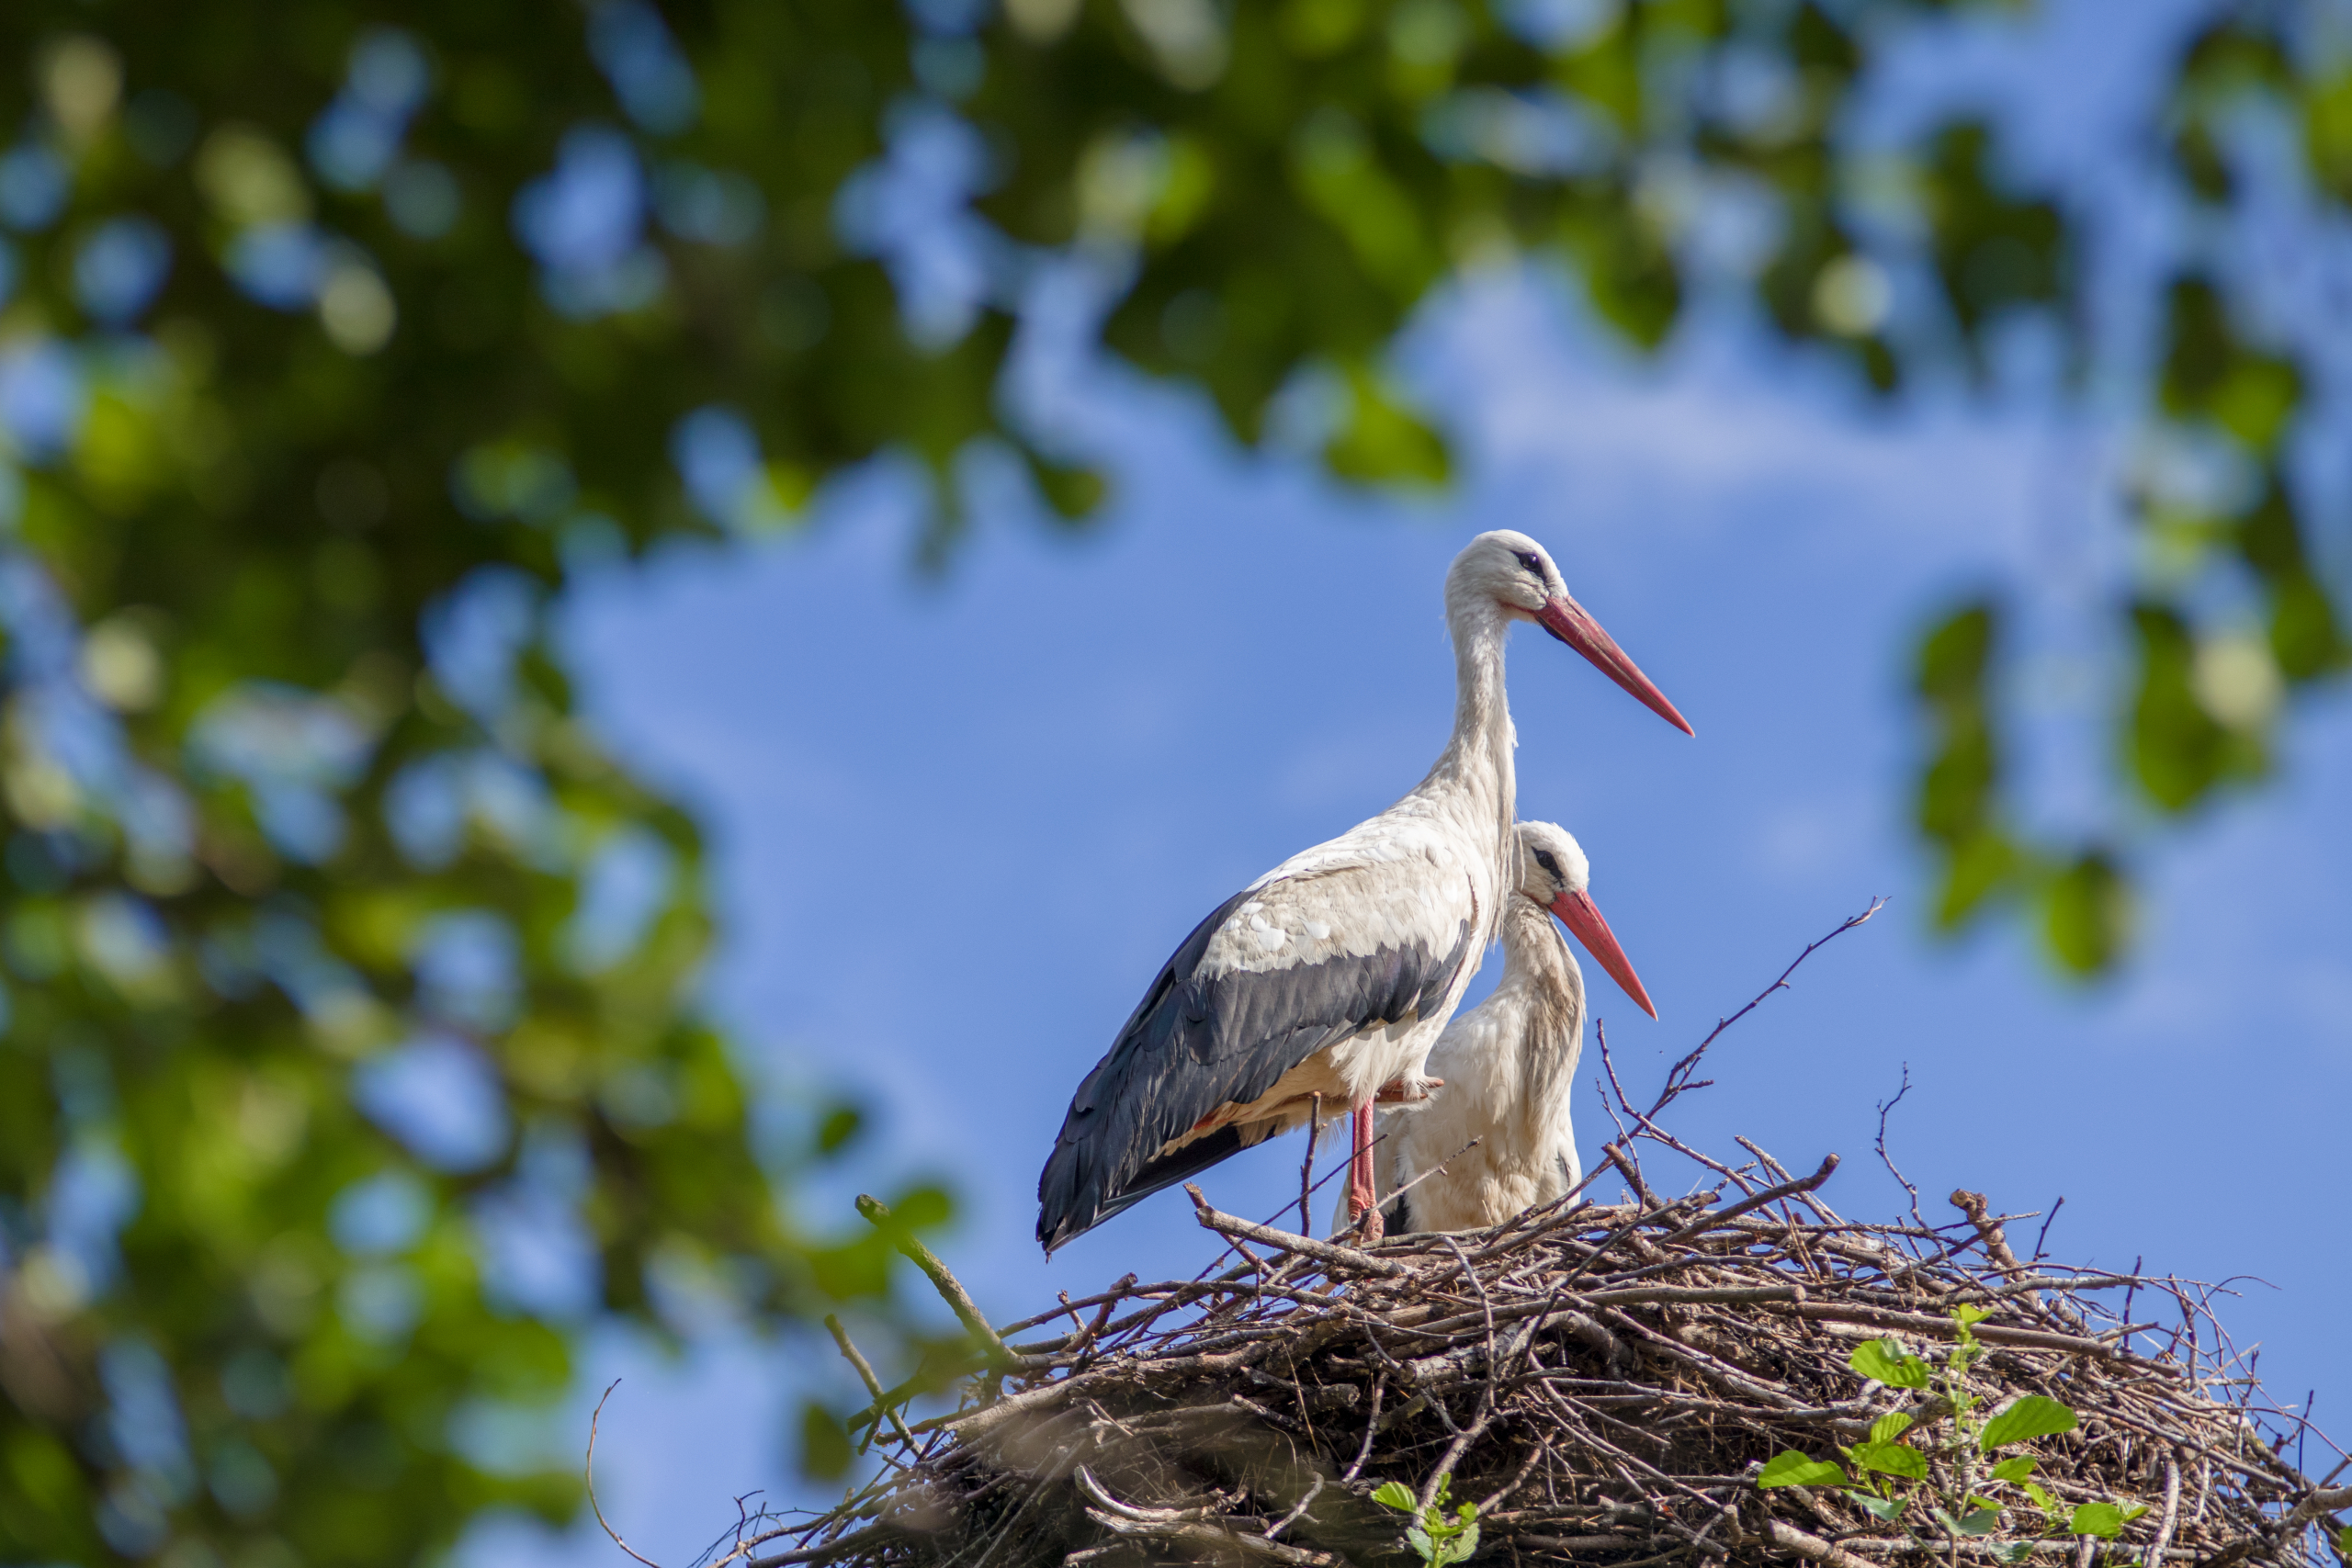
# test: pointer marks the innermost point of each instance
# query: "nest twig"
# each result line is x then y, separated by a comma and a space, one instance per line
1605, 1382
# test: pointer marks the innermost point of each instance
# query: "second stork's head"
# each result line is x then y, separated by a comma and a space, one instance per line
1515, 574
1553, 873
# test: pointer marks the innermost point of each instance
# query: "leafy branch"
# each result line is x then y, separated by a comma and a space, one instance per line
1890, 1476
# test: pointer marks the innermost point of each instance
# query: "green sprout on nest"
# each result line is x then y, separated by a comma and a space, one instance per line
1894, 1474
1438, 1539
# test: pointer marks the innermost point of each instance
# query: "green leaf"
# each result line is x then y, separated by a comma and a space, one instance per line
1394, 1494
1993, 251
1076, 494
1957, 793
2343, 1542
825, 1454
840, 1124
2104, 1520
1419, 1539
2210, 370
2042, 1500
1459, 1549
1882, 1361
1888, 1427
2087, 911
1790, 1468
1382, 440
2017, 1467
1979, 1521
1969, 1317
2033, 1416
1887, 1508
2013, 1551
1890, 1458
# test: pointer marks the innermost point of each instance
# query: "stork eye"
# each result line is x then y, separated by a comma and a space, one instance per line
1531, 561
1543, 858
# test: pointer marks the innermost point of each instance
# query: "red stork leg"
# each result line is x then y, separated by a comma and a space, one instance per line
1363, 1197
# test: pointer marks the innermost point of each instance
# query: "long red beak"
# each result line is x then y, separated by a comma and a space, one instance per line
1567, 620
1582, 915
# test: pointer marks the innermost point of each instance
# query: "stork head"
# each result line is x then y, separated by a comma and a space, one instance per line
1516, 575
1553, 873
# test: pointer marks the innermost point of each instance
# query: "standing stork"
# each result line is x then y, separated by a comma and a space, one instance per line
1331, 975
1510, 1062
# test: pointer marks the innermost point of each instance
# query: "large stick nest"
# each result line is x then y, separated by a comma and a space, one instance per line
1603, 1381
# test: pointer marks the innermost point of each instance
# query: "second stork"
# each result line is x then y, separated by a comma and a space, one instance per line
1498, 1142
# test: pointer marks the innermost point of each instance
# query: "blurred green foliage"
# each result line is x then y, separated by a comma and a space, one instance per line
333, 339
268, 862
1956, 794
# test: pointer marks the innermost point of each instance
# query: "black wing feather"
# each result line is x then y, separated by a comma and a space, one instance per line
1397, 1216
1199, 1041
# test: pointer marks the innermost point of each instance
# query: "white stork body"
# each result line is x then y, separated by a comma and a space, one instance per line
1500, 1140
1335, 972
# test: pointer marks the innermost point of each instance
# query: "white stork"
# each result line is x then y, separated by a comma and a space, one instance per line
1510, 1062
1334, 974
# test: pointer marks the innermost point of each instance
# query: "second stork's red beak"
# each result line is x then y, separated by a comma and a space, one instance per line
1567, 620
1582, 915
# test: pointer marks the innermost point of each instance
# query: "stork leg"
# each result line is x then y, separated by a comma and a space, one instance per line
1363, 1197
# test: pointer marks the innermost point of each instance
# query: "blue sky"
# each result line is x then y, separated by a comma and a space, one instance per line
956, 824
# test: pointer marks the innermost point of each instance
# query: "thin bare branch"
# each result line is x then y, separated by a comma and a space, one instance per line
588, 1473
1888, 1160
